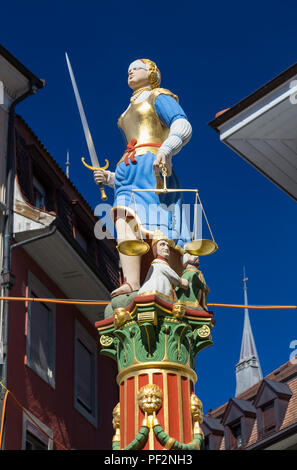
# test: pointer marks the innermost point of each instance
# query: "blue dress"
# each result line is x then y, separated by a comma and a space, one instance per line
162, 211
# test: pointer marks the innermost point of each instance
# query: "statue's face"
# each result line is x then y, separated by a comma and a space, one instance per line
179, 310
163, 249
120, 316
137, 76
194, 260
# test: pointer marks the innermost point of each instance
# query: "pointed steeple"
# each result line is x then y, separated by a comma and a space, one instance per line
248, 369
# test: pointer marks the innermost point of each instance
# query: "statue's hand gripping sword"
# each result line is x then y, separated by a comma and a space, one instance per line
90, 144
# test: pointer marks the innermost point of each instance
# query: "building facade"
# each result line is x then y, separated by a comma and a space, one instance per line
263, 417
263, 412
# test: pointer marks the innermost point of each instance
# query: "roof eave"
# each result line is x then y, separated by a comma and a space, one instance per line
253, 97
21, 68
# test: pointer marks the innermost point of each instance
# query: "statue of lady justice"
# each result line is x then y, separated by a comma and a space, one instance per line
155, 128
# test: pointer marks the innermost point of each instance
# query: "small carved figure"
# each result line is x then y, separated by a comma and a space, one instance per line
179, 310
196, 409
121, 316
197, 414
116, 415
161, 278
196, 294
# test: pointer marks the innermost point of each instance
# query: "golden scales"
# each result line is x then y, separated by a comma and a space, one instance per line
196, 246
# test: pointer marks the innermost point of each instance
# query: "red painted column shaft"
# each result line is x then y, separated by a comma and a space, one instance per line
174, 416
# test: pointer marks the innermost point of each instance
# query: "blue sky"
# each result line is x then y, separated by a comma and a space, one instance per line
211, 54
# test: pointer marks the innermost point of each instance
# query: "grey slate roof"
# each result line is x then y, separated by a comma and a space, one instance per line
214, 424
279, 387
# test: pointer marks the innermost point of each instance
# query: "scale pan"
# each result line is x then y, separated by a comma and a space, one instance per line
133, 247
201, 247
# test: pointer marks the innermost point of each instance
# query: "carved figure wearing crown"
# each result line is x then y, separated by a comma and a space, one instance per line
196, 294
161, 278
155, 128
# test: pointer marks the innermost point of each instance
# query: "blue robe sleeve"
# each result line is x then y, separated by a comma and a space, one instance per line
168, 109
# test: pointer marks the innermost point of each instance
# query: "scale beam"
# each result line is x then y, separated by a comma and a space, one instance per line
165, 190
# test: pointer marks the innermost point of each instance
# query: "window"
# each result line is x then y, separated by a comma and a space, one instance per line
39, 194
41, 332
33, 443
85, 394
236, 436
271, 401
206, 443
36, 435
268, 418
1, 92
81, 240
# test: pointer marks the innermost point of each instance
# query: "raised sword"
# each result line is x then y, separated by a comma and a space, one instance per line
90, 144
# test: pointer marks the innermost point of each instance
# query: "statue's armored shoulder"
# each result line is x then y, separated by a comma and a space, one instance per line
163, 91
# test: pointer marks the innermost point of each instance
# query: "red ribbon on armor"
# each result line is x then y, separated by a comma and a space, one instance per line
131, 150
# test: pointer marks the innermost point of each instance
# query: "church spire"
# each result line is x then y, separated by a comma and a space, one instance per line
248, 369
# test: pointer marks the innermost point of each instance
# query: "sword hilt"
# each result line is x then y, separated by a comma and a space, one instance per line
102, 191
103, 194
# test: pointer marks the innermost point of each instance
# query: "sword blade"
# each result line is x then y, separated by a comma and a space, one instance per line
83, 118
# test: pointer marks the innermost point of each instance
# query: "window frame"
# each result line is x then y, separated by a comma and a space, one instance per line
234, 439
81, 239
206, 443
265, 431
30, 426
91, 345
36, 185
37, 288
275, 395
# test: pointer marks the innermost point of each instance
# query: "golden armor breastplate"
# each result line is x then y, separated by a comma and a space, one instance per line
141, 122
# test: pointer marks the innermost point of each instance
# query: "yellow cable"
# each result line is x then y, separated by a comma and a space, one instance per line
56, 301
3, 416
253, 306
29, 416
100, 302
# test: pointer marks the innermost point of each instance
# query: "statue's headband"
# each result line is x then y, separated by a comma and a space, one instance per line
153, 71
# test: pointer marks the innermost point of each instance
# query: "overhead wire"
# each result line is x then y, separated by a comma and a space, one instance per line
104, 302
8, 392
92, 302
3, 415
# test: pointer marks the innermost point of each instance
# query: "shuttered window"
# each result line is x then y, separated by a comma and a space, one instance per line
32, 443
40, 325
235, 436
39, 194
40, 348
85, 374
206, 443
268, 418
81, 240
36, 435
